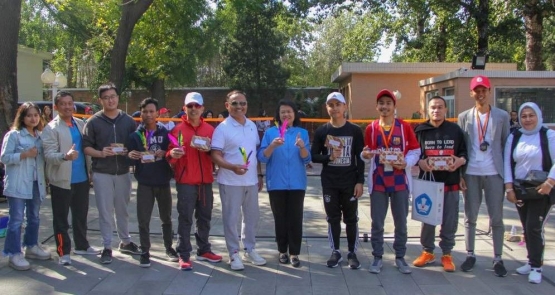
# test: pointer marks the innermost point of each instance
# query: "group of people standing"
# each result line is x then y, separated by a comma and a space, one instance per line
477, 156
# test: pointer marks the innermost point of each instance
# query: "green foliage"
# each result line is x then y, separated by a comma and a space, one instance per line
254, 51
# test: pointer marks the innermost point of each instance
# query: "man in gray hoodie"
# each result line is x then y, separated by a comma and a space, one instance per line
104, 137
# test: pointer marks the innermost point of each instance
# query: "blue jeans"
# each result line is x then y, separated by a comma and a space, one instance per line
18, 207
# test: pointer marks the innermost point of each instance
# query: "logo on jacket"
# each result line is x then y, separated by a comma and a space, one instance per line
396, 140
423, 204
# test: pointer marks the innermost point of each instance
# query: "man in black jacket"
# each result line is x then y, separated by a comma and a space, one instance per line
443, 153
104, 138
148, 146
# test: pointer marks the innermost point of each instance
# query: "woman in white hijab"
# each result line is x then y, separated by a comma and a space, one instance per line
524, 155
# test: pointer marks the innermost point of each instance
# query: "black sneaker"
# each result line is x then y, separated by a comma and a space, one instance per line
106, 256
144, 260
283, 258
335, 258
172, 255
131, 249
353, 261
468, 264
295, 262
499, 268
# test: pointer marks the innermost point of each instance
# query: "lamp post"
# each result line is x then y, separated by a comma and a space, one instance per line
57, 80
397, 94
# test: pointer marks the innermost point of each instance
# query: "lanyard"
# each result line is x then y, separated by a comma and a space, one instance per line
482, 131
386, 142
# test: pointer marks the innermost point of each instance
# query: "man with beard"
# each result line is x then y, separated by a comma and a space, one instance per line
443, 153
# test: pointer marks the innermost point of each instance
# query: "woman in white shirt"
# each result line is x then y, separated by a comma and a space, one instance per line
521, 157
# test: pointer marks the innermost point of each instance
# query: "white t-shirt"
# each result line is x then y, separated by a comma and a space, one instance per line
228, 138
481, 163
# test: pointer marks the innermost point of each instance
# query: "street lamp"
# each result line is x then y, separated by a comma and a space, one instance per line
57, 80
398, 95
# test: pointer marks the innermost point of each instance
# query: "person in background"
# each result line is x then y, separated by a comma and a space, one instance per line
514, 124
531, 147
25, 186
486, 129
285, 158
208, 114
165, 113
223, 114
337, 145
262, 125
439, 138
104, 138
388, 182
233, 143
148, 146
190, 158
68, 169
46, 114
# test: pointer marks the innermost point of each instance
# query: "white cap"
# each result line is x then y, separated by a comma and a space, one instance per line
193, 97
336, 95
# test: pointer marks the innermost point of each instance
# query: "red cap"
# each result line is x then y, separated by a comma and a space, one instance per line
479, 81
386, 92
164, 110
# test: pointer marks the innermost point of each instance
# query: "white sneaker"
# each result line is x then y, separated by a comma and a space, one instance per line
235, 262
64, 260
18, 262
524, 270
535, 276
89, 251
36, 252
254, 258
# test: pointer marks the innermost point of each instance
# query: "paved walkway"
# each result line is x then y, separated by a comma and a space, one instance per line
87, 276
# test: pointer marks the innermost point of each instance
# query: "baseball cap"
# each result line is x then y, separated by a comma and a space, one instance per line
388, 93
193, 97
479, 81
336, 95
164, 110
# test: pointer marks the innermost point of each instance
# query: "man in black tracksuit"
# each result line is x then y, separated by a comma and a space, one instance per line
148, 146
337, 145
442, 141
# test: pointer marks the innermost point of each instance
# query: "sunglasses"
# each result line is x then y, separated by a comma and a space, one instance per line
194, 105
236, 103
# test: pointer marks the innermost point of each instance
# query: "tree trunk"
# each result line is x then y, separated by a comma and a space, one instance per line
70, 65
131, 12
533, 24
157, 90
481, 15
441, 45
10, 19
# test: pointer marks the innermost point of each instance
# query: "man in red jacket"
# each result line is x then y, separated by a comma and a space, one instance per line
189, 155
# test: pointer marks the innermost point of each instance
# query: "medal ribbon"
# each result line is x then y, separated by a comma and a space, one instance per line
386, 142
482, 131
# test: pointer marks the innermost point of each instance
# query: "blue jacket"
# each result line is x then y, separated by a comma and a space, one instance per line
285, 169
20, 174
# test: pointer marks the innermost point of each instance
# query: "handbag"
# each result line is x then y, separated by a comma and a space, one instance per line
427, 200
525, 191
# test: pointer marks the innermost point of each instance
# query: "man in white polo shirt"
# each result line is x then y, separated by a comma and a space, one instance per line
234, 145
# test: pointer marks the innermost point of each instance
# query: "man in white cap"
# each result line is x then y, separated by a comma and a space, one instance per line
189, 155
337, 145
485, 129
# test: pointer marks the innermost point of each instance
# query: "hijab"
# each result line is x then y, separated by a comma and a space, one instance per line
538, 112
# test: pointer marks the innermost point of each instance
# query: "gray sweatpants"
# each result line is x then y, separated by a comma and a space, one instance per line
379, 201
237, 200
492, 188
449, 226
112, 193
